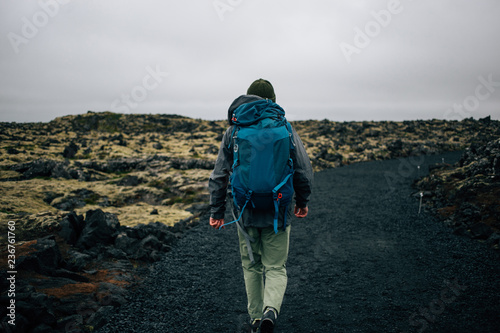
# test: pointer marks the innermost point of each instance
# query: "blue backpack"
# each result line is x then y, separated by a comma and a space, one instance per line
262, 142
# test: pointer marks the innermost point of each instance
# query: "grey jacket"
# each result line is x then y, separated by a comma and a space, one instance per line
219, 178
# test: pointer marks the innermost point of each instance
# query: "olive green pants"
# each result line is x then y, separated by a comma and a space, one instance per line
265, 279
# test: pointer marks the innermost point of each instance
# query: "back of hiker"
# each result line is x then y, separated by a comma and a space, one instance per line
264, 160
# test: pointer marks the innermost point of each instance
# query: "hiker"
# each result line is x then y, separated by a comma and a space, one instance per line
263, 221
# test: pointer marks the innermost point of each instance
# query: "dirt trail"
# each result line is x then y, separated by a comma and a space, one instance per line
364, 260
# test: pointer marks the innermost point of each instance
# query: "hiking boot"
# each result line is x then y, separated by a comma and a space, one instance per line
254, 325
268, 320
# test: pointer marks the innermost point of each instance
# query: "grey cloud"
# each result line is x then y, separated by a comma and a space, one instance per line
91, 53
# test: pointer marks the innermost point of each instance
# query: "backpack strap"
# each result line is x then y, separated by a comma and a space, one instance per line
292, 147
290, 133
248, 197
248, 239
277, 198
233, 136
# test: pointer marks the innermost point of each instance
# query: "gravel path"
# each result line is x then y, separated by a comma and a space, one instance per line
364, 260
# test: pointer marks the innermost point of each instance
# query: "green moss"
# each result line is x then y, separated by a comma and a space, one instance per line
92, 199
187, 199
43, 178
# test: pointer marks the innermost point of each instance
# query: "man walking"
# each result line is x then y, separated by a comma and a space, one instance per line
263, 229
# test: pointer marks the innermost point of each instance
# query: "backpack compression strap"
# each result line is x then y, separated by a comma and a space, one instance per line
277, 197
248, 197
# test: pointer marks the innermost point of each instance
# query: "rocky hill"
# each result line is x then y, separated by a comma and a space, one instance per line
154, 168
467, 195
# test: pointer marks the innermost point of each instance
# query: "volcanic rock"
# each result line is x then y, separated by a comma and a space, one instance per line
99, 227
71, 227
77, 261
44, 256
467, 194
70, 150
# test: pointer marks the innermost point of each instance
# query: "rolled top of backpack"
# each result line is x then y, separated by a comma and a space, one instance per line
253, 112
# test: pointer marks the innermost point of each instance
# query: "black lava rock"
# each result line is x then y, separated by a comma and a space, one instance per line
99, 227
70, 150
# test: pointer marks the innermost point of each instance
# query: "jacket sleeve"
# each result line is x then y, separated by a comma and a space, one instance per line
219, 178
303, 176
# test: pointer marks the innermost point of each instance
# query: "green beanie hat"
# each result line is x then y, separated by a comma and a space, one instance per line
262, 88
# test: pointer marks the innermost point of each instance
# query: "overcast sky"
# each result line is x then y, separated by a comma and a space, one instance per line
341, 60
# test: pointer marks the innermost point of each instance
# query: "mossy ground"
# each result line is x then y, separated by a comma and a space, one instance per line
107, 136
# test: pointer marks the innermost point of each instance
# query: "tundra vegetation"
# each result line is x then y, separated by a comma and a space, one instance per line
95, 197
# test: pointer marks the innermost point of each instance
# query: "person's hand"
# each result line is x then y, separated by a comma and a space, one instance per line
216, 223
300, 212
